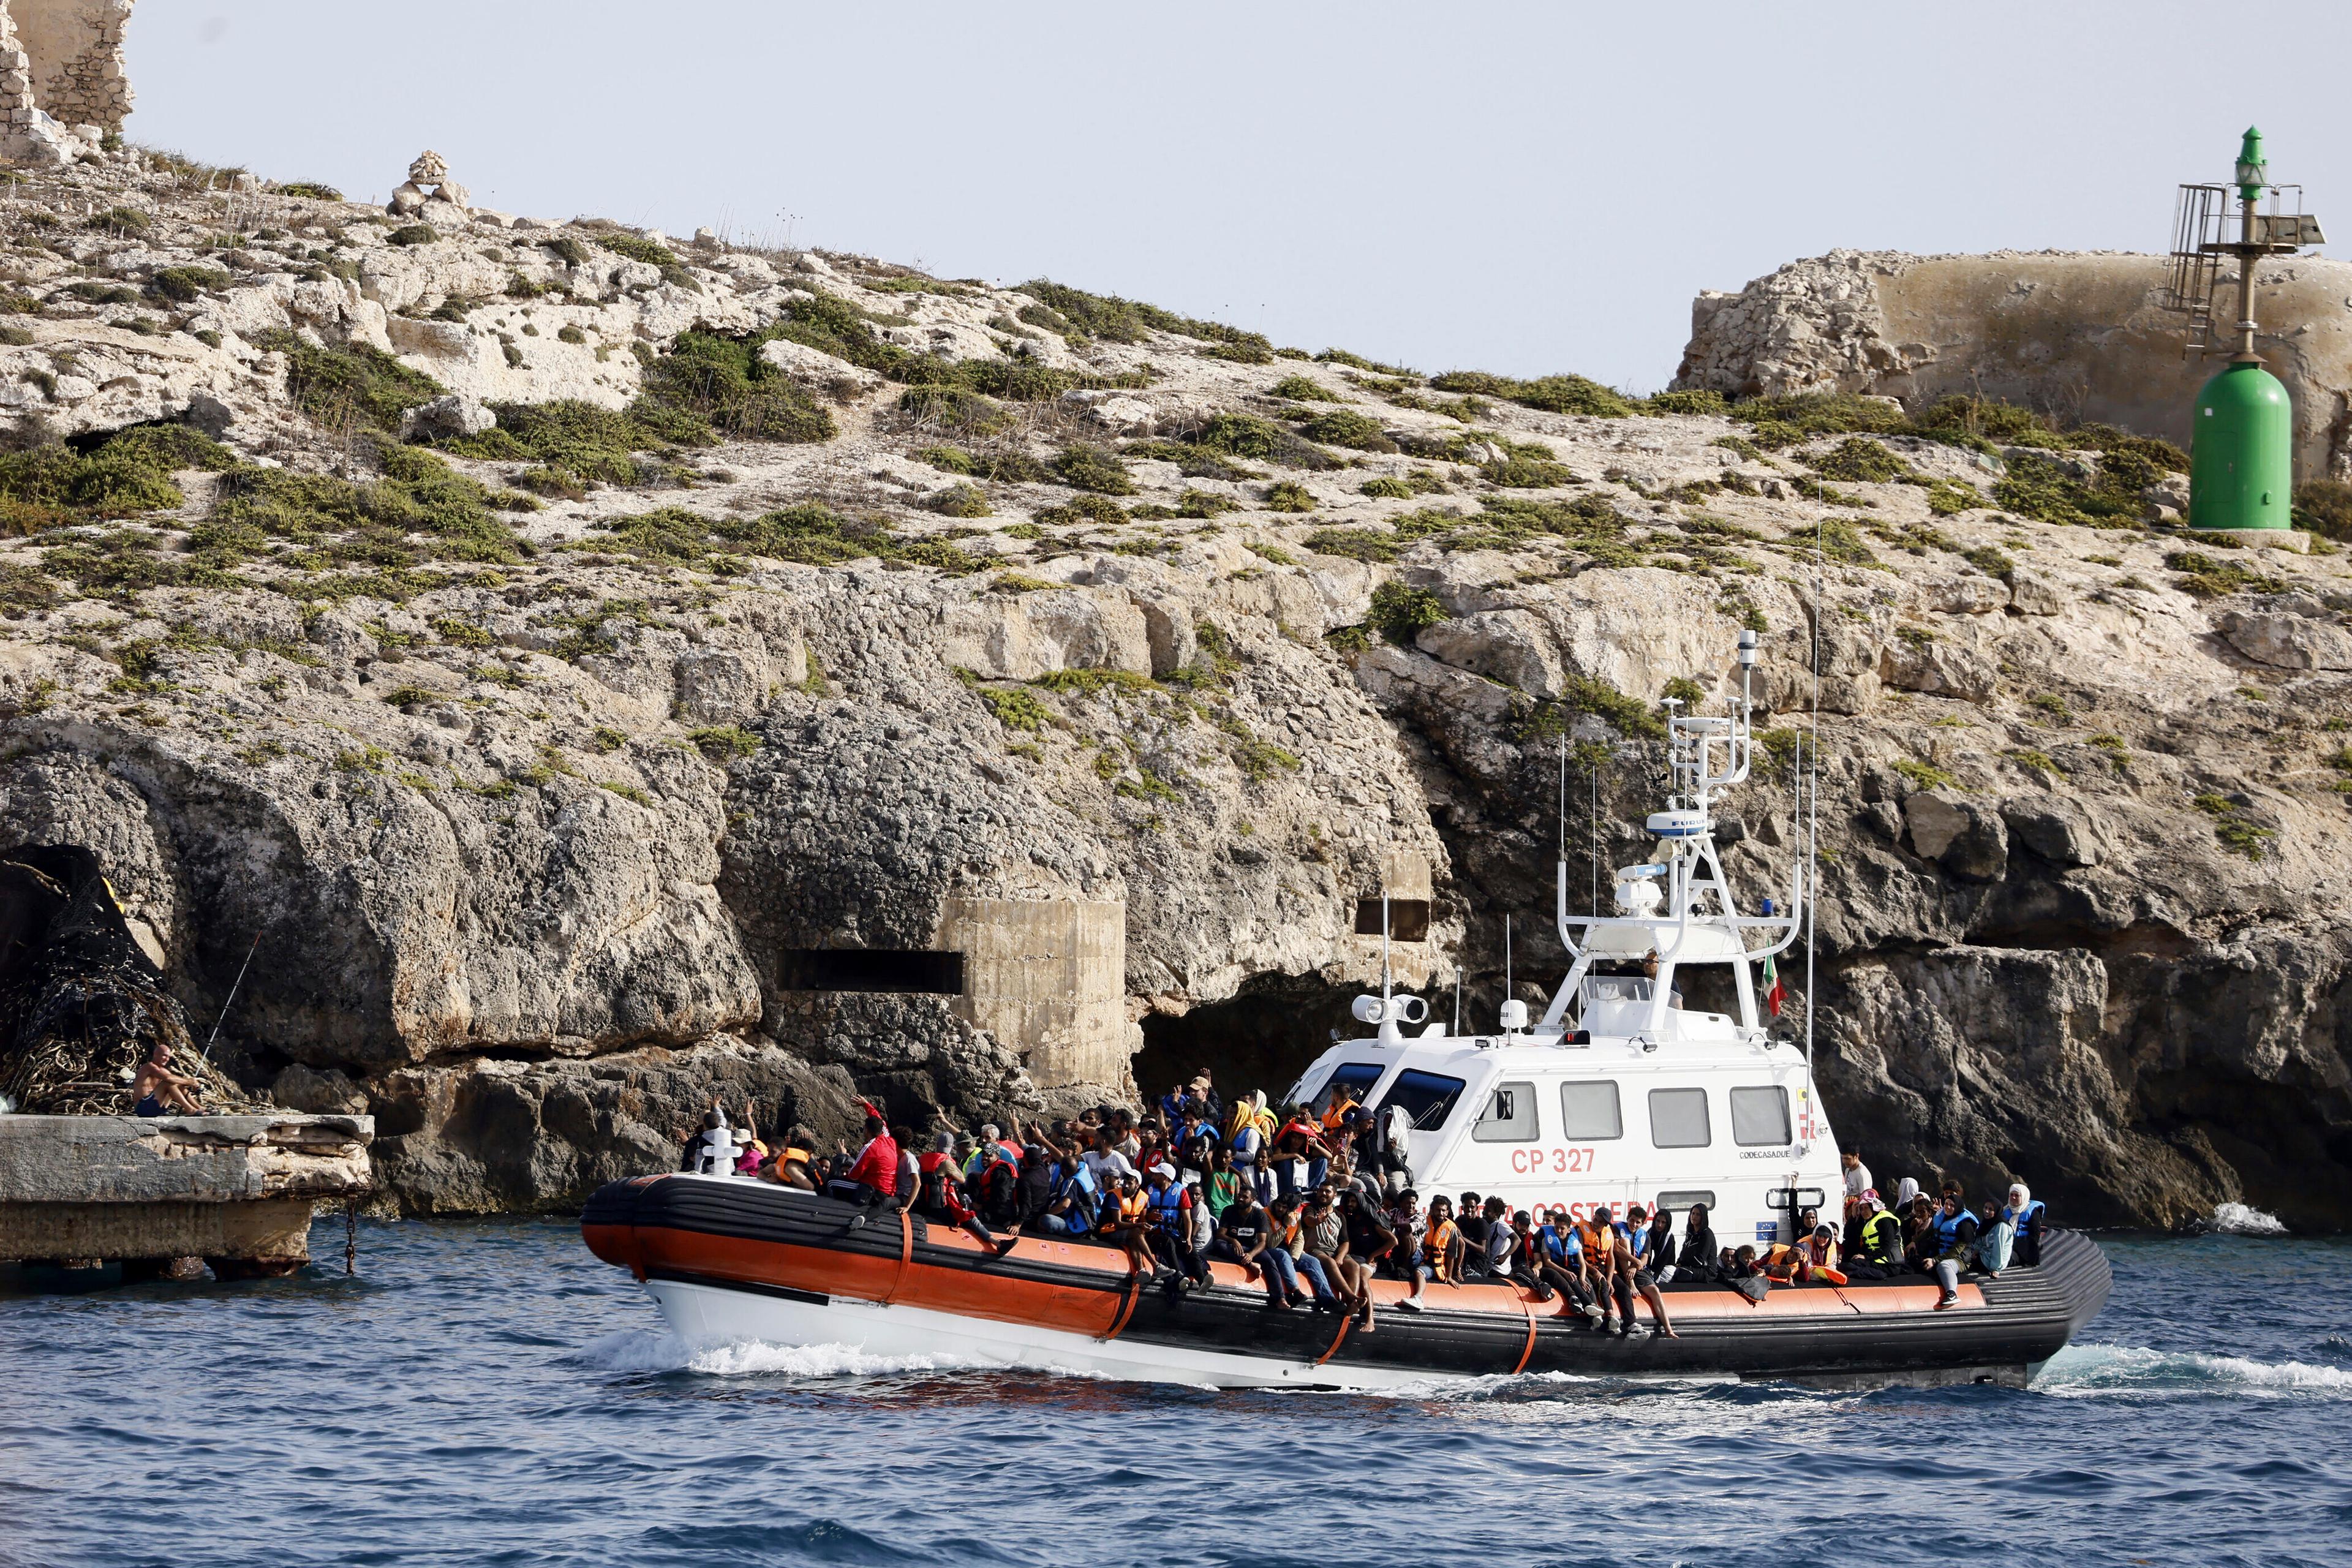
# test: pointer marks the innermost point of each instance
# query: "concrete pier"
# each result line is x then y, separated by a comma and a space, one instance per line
81, 1192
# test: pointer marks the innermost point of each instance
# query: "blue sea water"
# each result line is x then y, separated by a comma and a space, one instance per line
488, 1393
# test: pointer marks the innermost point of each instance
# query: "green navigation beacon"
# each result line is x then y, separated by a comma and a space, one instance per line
2241, 443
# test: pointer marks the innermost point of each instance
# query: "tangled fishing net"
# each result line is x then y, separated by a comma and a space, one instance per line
79, 1002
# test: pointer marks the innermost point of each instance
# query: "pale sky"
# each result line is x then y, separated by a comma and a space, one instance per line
1521, 188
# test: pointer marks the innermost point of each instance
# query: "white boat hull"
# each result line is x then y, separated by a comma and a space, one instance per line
707, 1316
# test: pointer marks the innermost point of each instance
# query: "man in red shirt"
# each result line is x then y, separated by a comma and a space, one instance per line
873, 1178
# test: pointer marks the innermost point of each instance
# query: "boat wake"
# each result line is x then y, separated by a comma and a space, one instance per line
2243, 1219
2095, 1370
647, 1351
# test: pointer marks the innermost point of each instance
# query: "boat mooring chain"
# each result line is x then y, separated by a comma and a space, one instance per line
352, 1232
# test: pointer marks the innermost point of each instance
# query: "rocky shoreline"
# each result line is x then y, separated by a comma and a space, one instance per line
730, 610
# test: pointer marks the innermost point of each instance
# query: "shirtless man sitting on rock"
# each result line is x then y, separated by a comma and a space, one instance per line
158, 1091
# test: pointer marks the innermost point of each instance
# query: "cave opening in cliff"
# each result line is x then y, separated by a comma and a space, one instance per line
1261, 1039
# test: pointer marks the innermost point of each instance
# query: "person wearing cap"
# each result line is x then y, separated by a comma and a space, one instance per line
1211, 1104
1169, 1203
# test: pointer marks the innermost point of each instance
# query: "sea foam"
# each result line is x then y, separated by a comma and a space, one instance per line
2090, 1371
650, 1350
2243, 1219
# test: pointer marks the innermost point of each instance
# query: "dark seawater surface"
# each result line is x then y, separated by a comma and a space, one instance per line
488, 1393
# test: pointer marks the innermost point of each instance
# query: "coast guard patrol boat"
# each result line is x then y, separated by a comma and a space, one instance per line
1618, 1094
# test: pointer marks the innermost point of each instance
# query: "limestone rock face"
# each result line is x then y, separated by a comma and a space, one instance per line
533, 1137
552, 831
2044, 329
2288, 641
455, 414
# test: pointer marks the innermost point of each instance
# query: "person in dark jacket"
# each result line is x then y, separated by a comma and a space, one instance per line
1696, 1259
1655, 1246
1034, 1191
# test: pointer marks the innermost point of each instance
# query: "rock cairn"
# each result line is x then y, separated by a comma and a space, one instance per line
429, 169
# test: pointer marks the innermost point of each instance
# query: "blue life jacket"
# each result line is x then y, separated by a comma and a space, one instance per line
1948, 1230
1166, 1207
2021, 1219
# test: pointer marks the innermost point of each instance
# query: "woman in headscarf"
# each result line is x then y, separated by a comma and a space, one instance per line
2023, 1217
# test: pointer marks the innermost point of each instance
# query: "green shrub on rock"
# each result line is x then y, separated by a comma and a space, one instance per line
1345, 427
1552, 393
1403, 614
962, 501
350, 383
1094, 468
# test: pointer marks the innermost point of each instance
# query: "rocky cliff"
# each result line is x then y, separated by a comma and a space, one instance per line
589, 673
2079, 335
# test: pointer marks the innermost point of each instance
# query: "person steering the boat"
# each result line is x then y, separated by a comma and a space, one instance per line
1649, 972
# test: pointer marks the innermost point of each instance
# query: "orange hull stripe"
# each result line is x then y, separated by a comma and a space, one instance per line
1103, 1312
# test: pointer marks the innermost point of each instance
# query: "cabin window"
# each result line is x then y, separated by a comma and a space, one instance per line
1760, 1117
1427, 1097
1356, 1077
1589, 1111
1681, 1200
1510, 1115
1678, 1119
1608, 988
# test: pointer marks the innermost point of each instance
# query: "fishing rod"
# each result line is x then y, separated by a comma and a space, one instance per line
205, 1055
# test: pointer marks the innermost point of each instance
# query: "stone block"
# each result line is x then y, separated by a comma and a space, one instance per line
1047, 978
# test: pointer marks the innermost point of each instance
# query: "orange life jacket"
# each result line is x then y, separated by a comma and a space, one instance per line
1436, 1245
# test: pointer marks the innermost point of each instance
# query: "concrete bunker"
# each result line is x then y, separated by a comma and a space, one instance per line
67, 56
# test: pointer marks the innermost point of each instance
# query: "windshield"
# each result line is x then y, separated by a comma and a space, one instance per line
1427, 1097
1356, 1077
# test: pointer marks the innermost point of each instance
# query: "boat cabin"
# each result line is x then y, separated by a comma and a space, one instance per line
1620, 1094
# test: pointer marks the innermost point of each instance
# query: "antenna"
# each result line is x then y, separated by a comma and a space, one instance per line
1384, 944
1506, 957
2241, 443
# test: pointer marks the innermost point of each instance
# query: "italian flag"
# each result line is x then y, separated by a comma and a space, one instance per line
1774, 992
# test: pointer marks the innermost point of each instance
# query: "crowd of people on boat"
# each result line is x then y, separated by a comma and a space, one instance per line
1314, 1202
